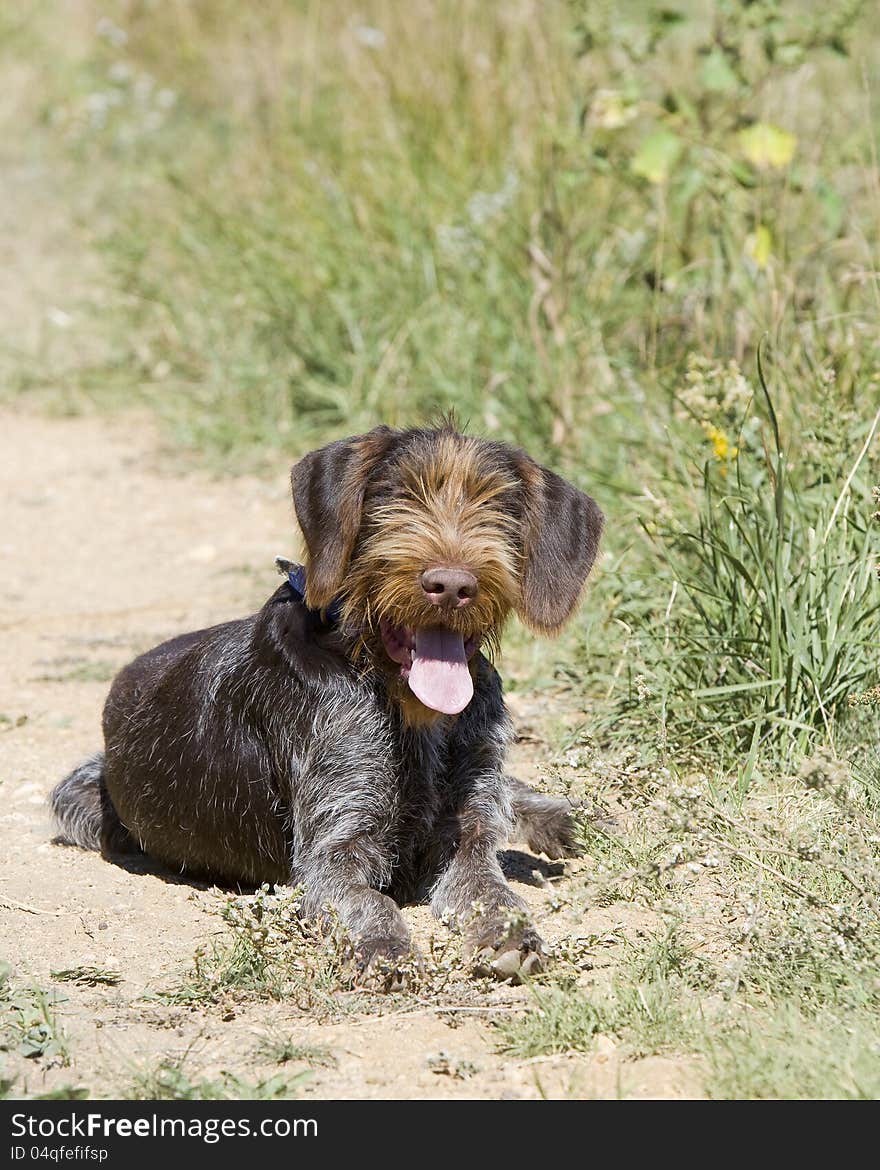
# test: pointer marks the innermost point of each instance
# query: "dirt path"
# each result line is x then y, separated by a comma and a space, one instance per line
106, 551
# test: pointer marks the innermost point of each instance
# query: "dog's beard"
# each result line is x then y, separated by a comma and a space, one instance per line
430, 647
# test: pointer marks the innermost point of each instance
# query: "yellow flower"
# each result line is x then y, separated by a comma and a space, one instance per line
759, 246
611, 109
766, 146
720, 444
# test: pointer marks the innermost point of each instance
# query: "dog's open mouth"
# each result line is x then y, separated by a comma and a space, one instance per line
434, 663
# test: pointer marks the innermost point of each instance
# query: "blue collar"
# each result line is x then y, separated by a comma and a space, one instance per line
296, 579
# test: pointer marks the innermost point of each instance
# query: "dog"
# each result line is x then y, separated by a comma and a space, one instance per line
350, 737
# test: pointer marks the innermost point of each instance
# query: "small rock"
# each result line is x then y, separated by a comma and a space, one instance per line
605, 1047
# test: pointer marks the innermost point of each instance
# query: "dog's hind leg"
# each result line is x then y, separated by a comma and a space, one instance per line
84, 812
543, 822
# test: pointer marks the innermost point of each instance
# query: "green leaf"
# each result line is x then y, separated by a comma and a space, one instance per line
714, 692
716, 73
832, 206
668, 16
657, 155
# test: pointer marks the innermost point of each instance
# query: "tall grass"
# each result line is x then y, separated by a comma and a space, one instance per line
771, 624
322, 215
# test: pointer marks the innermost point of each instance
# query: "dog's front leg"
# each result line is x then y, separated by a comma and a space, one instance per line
472, 888
383, 948
342, 818
480, 814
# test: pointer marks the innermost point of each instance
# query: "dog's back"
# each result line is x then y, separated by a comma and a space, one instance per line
81, 803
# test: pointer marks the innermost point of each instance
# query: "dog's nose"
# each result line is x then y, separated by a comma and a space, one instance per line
449, 588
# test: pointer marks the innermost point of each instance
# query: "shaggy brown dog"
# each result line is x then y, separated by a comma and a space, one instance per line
350, 737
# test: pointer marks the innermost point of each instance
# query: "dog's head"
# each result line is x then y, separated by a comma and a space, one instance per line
430, 538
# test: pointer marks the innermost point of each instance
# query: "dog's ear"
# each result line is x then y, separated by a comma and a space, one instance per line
561, 531
328, 495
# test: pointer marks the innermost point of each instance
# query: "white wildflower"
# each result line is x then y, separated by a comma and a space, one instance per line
371, 38
108, 30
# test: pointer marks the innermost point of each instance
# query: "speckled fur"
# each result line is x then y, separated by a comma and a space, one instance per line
277, 748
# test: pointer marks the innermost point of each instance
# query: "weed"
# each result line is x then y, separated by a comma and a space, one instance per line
278, 1048
168, 1080
269, 951
29, 1023
88, 976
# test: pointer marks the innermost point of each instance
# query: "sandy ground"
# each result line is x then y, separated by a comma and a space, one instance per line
106, 550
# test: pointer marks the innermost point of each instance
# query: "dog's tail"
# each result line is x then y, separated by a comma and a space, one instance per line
84, 812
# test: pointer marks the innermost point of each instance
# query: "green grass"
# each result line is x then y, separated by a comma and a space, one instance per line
31, 1033
278, 1048
88, 976
559, 1022
771, 624
764, 971
778, 1054
322, 219
169, 1080
833, 1056
266, 951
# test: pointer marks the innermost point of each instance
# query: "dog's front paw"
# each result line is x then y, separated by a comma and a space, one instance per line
510, 950
387, 964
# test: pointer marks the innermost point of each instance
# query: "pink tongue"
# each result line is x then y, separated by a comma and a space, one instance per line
439, 675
